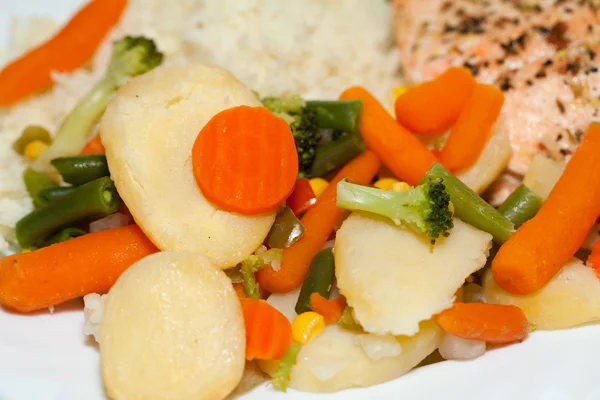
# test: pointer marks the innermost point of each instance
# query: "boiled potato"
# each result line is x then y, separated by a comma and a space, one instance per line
571, 298
148, 132
542, 175
394, 278
172, 328
340, 359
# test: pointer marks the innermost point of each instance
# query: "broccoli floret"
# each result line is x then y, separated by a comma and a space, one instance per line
424, 208
131, 56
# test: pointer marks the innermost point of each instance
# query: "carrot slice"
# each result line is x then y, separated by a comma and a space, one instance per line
245, 160
268, 331
434, 106
593, 260
542, 245
88, 264
468, 137
68, 50
329, 309
493, 323
94, 146
319, 222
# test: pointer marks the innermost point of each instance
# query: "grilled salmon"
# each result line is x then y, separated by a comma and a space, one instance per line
544, 55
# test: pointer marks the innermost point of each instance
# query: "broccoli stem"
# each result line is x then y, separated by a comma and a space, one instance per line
282, 375
471, 208
364, 198
337, 153
520, 206
339, 115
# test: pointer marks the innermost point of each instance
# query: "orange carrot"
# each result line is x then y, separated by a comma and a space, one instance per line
94, 146
399, 149
468, 137
268, 331
593, 260
329, 309
319, 222
245, 160
68, 50
239, 290
540, 247
67, 270
493, 323
433, 107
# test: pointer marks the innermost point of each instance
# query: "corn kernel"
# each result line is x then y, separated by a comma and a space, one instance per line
400, 187
318, 185
34, 149
385, 183
399, 91
307, 326
451, 207
26, 251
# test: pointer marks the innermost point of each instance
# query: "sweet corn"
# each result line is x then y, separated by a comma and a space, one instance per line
307, 326
318, 185
385, 183
26, 251
400, 187
399, 91
34, 149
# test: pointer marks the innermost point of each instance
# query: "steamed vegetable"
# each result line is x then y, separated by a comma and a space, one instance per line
52, 193
337, 153
36, 184
252, 265
268, 332
132, 56
424, 208
593, 260
331, 310
520, 206
302, 197
81, 169
393, 278
64, 235
286, 230
318, 280
68, 270
31, 133
542, 175
172, 328
94, 146
341, 116
282, 375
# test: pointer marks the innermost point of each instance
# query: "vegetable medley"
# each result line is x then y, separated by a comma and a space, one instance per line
328, 241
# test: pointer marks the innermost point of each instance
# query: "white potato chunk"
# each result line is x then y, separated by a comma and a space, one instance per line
339, 359
394, 278
571, 298
542, 175
172, 328
148, 132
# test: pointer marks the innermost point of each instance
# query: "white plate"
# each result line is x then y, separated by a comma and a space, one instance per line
47, 357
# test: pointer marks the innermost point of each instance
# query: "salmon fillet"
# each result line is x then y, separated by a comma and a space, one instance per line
544, 55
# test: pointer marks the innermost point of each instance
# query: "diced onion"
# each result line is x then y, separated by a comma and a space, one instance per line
116, 220
456, 348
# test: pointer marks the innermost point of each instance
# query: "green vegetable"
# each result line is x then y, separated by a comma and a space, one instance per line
52, 193
282, 374
471, 208
286, 230
337, 153
81, 169
251, 265
36, 183
521, 205
64, 235
31, 133
319, 279
131, 56
93, 200
347, 320
342, 115
424, 208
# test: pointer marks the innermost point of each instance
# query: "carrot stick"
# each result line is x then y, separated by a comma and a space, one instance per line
268, 331
493, 323
94, 146
468, 137
68, 50
329, 309
593, 260
540, 247
432, 107
399, 149
245, 160
319, 222
88, 264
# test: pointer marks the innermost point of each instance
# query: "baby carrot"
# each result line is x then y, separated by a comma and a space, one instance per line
593, 260
319, 222
540, 247
68, 50
399, 149
268, 331
470, 133
245, 160
67, 270
493, 323
94, 146
433, 107
329, 309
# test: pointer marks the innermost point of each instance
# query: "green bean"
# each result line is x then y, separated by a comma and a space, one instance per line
30, 134
95, 199
341, 115
52, 193
81, 169
471, 208
521, 205
286, 230
337, 153
64, 235
319, 279
36, 183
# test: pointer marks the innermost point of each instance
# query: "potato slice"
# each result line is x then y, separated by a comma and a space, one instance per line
148, 132
172, 328
571, 298
394, 278
340, 359
542, 175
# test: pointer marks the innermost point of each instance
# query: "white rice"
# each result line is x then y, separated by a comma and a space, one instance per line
315, 48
